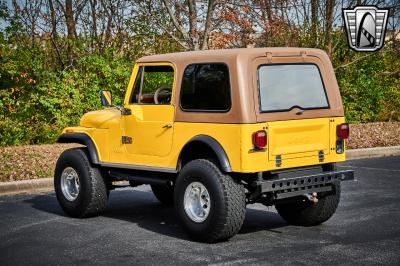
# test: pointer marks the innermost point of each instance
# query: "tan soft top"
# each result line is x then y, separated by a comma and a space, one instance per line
222, 55
243, 64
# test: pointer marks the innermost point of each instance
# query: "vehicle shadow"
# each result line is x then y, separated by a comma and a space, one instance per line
143, 209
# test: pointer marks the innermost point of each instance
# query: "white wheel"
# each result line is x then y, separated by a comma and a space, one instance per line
197, 202
70, 184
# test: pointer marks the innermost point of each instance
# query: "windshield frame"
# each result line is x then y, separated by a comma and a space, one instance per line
294, 106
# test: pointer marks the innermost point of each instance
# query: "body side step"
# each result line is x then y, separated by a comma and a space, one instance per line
141, 178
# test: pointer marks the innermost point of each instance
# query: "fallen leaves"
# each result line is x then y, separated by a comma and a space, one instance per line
29, 161
380, 134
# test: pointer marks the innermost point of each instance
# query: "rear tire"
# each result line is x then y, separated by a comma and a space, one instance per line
221, 209
90, 194
164, 194
305, 213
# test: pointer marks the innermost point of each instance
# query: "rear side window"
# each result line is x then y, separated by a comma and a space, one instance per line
206, 87
285, 86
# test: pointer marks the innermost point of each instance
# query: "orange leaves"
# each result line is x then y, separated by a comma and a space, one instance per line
236, 18
220, 40
236, 31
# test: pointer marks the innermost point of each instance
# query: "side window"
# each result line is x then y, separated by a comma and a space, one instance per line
153, 85
206, 87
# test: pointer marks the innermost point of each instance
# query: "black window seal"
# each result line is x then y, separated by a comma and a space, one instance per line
141, 87
204, 110
286, 110
138, 76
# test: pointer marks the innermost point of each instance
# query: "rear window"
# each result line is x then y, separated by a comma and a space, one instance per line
286, 86
206, 88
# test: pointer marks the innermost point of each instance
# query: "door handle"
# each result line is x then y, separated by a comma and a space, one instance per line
167, 126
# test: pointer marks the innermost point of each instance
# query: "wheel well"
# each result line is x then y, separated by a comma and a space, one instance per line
197, 149
83, 139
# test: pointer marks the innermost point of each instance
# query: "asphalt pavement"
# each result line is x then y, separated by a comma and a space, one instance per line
137, 229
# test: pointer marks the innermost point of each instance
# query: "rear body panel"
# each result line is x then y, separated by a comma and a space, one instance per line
298, 138
297, 142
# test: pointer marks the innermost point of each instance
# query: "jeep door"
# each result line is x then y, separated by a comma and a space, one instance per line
148, 129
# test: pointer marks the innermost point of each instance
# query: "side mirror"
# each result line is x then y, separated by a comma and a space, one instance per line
106, 98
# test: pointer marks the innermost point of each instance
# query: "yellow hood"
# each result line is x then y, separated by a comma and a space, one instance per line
100, 118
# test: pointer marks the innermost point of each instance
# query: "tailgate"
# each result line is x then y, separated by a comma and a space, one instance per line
298, 138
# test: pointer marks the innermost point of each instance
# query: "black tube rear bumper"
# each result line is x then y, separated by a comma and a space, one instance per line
297, 186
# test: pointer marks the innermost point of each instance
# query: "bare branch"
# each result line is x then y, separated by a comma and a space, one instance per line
354, 61
174, 19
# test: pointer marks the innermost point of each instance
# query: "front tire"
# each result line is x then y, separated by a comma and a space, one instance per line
305, 213
80, 187
210, 204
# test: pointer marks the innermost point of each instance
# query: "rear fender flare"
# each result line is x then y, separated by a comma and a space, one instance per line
216, 147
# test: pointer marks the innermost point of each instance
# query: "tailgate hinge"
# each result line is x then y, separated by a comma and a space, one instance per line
269, 57
303, 55
278, 161
321, 156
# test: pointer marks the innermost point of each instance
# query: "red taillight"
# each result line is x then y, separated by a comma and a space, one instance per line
342, 131
260, 139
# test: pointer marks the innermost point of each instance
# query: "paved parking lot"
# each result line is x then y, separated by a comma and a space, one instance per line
136, 229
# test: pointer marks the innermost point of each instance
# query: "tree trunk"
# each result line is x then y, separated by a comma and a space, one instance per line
266, 13
107, 35
16, 8
193, 31
329, 8
93, 4
208, 23
54, 37
70, 21
314, 20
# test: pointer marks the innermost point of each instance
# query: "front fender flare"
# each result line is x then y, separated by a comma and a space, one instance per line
83, 139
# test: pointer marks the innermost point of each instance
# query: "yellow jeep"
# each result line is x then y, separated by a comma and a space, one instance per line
212, 131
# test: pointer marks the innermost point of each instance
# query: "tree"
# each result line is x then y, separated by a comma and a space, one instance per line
314, 18
196, 37
329, 9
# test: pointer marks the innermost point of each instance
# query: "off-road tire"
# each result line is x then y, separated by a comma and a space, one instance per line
227, 196
165, 194
305, 213
93, 193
